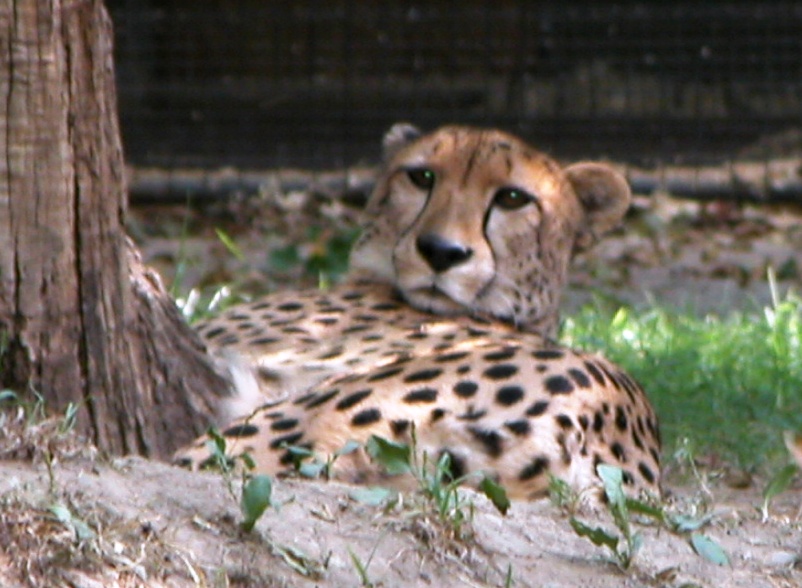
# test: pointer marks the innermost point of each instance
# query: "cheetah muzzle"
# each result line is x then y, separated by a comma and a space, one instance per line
443, 329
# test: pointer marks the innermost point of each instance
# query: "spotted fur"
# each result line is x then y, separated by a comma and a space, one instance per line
443, 331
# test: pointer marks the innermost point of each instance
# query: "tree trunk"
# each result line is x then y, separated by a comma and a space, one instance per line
81, 320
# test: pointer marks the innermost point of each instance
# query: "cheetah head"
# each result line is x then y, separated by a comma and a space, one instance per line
471, 221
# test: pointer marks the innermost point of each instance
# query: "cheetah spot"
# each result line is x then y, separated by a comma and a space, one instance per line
323, 398
284, 424
284, 440
491, 440
399, 427
423, 375
353, 399
501, 371
519, 427
509, 395
504, 354
366, 417
421, 395
385, 374
537, 409
547, 354
646, 472
534, 469
558, 385
241, 431
465, 388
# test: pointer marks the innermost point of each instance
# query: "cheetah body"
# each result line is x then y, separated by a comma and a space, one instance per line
441, 336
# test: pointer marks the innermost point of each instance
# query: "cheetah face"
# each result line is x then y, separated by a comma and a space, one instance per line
469, 221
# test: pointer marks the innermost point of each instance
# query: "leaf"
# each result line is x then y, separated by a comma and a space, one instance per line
255, 499
684, 523
395, 457
297, 451
232, 247
311, 469
285, 258
248, 461
298, 454
613, 480
82, 529
218, 441
560, 493
349, 447
372, 496
709, 549
642, 508
7, 395
778, 484
597, 535
496, 493
64, 515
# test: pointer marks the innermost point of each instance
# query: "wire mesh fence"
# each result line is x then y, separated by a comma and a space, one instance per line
312, 84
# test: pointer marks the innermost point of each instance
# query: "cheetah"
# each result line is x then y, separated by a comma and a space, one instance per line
442, 335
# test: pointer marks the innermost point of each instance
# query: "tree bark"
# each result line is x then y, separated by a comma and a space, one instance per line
81, 320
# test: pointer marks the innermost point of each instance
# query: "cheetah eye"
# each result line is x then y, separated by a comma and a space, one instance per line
512, 198
422, 177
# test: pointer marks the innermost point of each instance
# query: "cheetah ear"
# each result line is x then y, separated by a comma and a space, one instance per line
605, 197
399, 136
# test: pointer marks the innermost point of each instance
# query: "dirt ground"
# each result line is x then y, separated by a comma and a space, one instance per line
77, 520
150, 524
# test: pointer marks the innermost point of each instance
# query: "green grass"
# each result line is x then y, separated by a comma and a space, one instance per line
725, 386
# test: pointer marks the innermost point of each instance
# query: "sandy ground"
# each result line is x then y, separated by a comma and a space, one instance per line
151, 524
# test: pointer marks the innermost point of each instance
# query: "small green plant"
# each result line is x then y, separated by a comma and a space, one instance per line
625, 544
70, 418
33, 409
436, 482
196, 304
257, 490
362, 567
779, 483
308, 465
324, 255
562, 495
508, 579
79, 528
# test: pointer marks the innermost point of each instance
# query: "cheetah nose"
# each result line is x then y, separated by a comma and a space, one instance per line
441, 254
